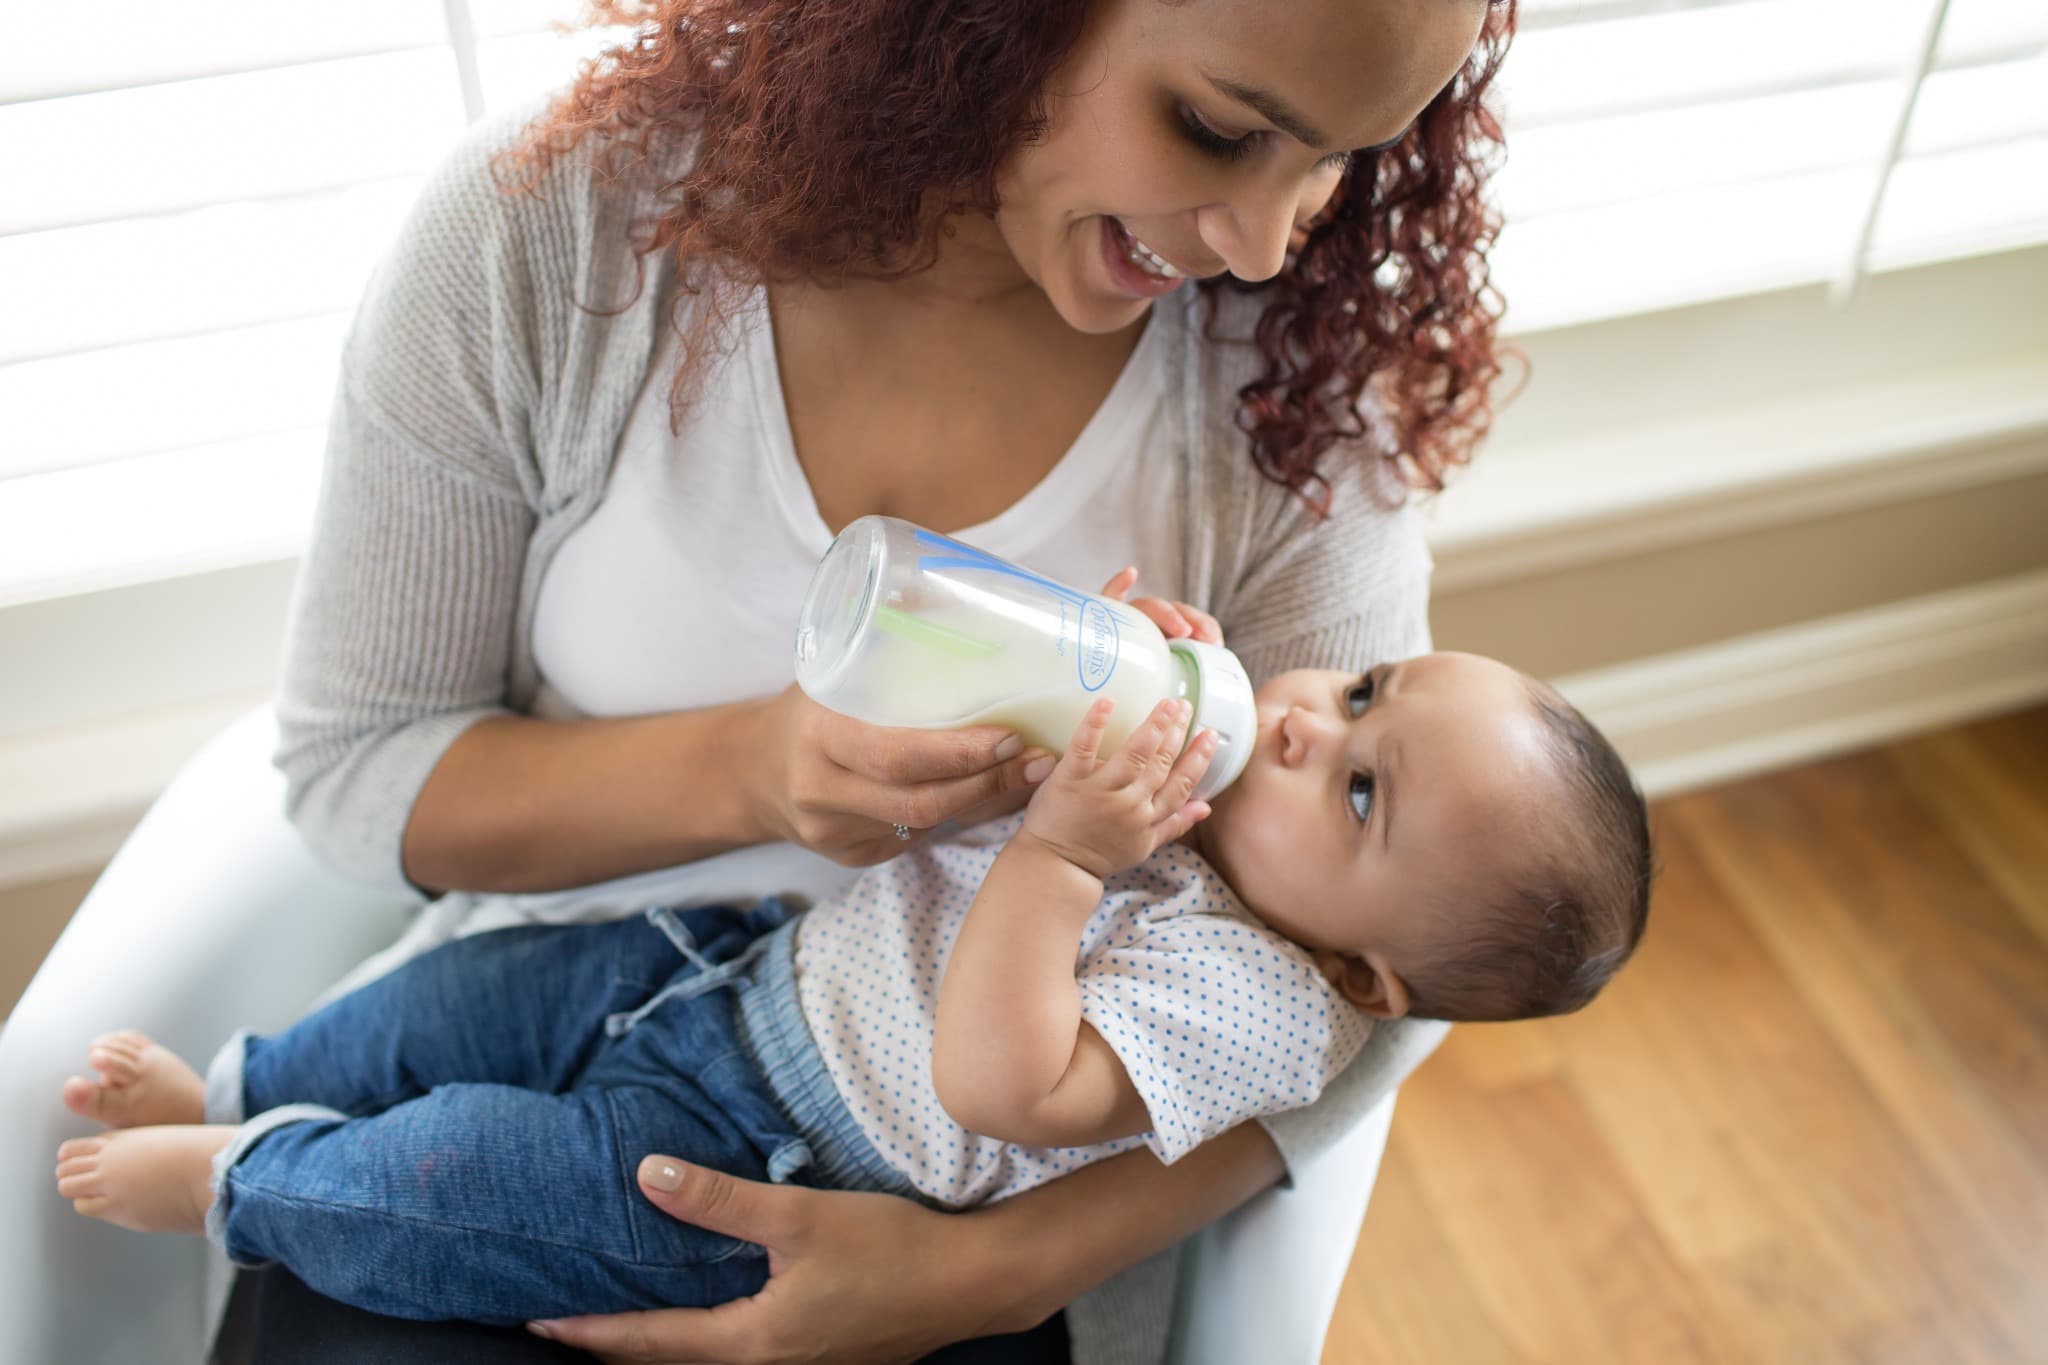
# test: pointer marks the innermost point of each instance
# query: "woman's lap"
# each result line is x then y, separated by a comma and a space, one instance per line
273, 1319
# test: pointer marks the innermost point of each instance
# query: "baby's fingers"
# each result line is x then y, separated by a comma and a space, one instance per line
1186, 817
1153, 744
1179, 785
1086, 746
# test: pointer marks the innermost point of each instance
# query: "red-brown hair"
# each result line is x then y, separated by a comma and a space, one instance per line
832, 138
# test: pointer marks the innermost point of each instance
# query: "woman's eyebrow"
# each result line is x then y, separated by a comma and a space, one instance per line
1271, 107
1282, 115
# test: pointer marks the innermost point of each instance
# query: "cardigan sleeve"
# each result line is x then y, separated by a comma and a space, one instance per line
402, 618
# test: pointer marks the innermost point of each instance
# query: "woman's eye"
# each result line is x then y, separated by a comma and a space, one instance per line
1358, 696
1203, 135
1361, 797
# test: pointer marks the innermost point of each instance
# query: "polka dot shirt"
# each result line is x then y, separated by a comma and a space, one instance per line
1216, 1018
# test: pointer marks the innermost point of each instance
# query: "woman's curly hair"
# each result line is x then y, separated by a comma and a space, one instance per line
830, 139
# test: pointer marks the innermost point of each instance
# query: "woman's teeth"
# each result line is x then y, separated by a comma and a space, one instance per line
1145, 258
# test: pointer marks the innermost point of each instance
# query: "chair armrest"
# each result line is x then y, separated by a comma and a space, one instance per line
212, 916
1261, 1283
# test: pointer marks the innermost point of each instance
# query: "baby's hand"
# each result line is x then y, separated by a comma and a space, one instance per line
1106, 815
1176, 620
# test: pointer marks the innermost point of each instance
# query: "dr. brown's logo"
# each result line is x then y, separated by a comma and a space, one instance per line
1098, 645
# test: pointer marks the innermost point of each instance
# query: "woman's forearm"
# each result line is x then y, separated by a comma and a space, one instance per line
519, 804
1058, 1240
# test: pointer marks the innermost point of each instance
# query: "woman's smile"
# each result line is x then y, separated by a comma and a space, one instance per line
1134, 268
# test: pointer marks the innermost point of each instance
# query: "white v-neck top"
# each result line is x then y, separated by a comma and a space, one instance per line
648, 608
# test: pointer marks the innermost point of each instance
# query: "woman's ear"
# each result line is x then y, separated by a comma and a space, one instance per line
1366, 982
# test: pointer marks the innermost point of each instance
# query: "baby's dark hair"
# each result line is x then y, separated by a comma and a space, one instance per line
1550, 943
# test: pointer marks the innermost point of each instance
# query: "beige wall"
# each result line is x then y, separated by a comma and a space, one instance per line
31, 917
1590, 616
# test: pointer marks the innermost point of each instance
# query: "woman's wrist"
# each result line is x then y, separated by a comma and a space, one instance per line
733, 754
1061, 1239
995, 1278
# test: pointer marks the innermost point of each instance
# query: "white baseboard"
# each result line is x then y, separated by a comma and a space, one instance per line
1783, 697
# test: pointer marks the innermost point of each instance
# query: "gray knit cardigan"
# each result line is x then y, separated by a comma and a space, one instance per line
474, 427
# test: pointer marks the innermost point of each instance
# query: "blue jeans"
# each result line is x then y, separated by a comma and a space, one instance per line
458, 1139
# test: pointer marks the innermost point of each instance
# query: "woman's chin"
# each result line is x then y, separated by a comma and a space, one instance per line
1097, 314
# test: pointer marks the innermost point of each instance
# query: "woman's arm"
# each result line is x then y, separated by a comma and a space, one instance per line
518, 804
858, 1278
405, 757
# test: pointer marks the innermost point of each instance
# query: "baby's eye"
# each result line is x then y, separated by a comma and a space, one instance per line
1361, 797
1358, 696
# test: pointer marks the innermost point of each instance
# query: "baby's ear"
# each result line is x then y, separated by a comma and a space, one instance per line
1367, 983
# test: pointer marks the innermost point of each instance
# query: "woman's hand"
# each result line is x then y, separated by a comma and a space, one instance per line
840, 786
1176, 620
852, 1278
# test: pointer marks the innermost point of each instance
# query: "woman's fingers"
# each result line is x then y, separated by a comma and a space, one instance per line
1126, 578
1206, 627
1165, 615
669, 1336
717, 1202
905, 757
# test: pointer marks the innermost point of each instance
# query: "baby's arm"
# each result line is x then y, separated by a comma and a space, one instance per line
1012, 1057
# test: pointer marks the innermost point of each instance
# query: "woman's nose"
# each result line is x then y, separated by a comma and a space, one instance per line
1249, 231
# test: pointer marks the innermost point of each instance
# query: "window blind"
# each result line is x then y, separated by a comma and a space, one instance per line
1663, 152
195, 194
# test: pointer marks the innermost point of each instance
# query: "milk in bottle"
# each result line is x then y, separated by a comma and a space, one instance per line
903, 626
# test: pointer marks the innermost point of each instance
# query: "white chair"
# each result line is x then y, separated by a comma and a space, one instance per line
214, 916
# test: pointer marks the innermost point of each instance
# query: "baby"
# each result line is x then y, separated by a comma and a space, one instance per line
1114, 966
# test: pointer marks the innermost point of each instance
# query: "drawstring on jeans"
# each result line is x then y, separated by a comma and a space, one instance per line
710, 976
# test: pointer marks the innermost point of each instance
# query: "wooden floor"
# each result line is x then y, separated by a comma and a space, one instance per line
1808, 1124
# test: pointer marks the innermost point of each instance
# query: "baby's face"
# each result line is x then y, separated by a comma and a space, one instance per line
1374, 807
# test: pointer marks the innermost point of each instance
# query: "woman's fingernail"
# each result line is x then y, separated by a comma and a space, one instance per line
660, 1173
1009, 748
1038, 769
540, 1329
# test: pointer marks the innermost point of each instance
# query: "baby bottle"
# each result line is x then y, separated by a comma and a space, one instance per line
906, 627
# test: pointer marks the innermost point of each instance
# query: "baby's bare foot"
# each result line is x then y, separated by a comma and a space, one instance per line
145, 1179
141, 1082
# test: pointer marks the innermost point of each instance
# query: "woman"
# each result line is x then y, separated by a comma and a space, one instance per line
779, 265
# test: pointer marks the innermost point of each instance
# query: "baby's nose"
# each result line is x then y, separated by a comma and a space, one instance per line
1300, 730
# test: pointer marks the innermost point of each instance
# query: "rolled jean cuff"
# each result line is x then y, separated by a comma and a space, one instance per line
252, 1132
224, 1080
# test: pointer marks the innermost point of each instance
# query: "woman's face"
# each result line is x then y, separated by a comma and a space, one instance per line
1191, 139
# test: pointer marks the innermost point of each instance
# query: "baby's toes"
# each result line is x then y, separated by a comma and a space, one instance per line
78, 1170
118, 1061
74, 1149
83, 1098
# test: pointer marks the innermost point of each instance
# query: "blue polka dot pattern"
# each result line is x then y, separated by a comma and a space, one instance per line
1216, 1018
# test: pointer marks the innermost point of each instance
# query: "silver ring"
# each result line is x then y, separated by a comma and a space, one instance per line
903, 831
